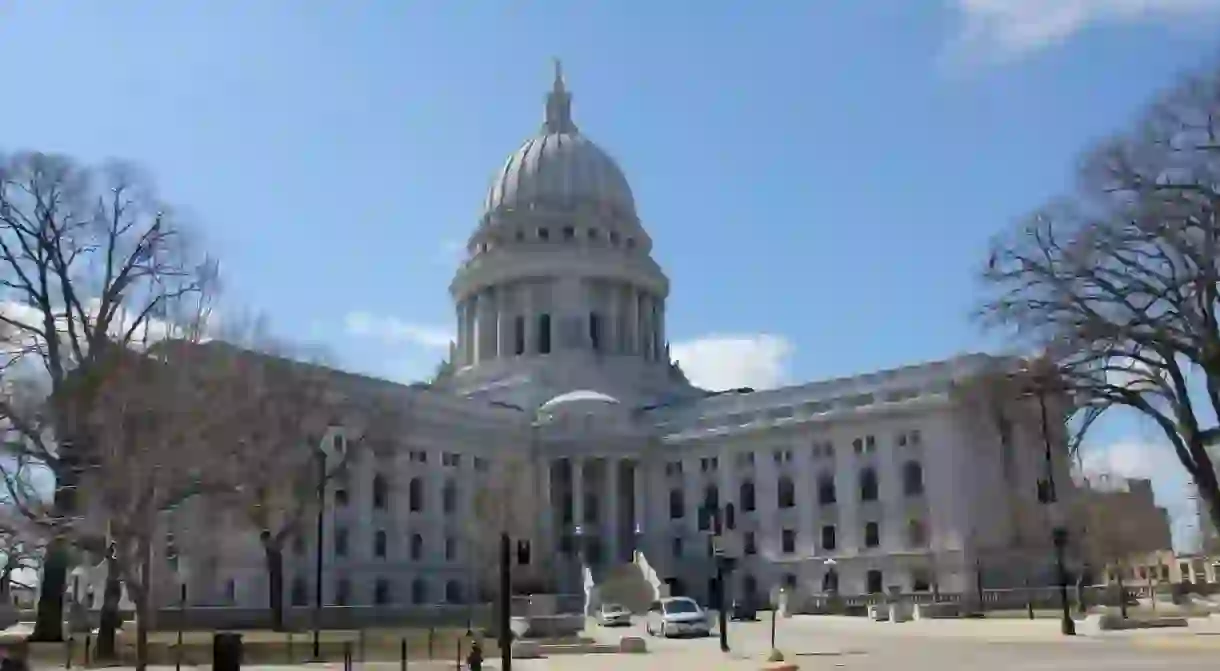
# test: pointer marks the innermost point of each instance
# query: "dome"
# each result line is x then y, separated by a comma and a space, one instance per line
578, 396
560, 168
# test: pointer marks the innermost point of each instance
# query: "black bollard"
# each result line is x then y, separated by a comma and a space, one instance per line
347, 656
457, 659
88, 640
68, 644
431, 640
402, 654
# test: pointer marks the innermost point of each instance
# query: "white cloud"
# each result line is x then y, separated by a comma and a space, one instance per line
728, 361
395, 331
1012, 28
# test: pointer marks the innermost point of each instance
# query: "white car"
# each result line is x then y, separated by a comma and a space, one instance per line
677, 616
613, 615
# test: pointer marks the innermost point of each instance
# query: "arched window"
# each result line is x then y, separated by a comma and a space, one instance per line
379, 544
868, 484
912, 478
417, 547
917, 534
785, 493
381, 492
872, 535
415, 495
874, 582
449, 497
544, 333
826, 489
419, 591
677, 506
746, 496
453, 591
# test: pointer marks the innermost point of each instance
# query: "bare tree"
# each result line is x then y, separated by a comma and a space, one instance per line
506, 500
90, 261
1118, 283
286, 409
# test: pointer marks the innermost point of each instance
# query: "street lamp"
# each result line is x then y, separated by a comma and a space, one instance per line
1059, 532
317, 576
717, 521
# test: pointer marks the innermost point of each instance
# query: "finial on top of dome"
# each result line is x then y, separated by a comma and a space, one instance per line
559, 105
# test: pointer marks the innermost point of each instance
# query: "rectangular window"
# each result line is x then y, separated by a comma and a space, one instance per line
595, 331
828, 538
340, 542
676, 546
544, 334
343, 589
519, 335
872, 535
450, 549
788, 540
749, 546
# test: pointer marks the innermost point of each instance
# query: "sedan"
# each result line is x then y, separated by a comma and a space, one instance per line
677, 616
613, 615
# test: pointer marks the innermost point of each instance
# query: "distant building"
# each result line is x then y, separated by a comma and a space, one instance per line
1119, 521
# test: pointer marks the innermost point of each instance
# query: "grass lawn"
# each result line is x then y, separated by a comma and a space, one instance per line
271, 647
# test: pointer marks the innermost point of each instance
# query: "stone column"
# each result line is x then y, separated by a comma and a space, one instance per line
631, 322
639, 484
459, 356
504, 322
613, 514
548, 507
659, 328
578, 492
612, 328
644, 333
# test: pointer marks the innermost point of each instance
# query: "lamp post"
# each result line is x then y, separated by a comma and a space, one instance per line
1059, 532
317, 576
717, 522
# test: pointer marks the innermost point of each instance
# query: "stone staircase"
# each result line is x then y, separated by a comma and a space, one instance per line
632, 585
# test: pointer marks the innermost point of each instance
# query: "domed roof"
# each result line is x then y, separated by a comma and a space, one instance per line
578, 396
560, 168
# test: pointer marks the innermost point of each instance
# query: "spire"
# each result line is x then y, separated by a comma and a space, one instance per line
559, 106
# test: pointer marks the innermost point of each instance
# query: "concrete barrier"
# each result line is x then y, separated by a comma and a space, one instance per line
632, 644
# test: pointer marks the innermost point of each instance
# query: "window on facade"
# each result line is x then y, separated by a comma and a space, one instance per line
677, 506
450, 548
594, 234
449, 498
417, 547
569, 232
829, 542
872, 535
544, 234
519, 235
381, 492
300, 591
630, 243
912, 478
381, 592
747, 497
788, 541
785, 493
595, 331
341, 496
419, 591
614, 238
920, 581
518, 335
676, 547
379, 544
711, 496
231, 590
415, 495
826, 489
453, 591
917, 534
868, 484
874, 582
340, 542
749, 544
343, 591
544, 333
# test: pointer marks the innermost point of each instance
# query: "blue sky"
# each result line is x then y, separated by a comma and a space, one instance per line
820, 178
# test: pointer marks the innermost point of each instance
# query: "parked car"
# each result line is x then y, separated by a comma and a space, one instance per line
743, 611
613, 615
677, 616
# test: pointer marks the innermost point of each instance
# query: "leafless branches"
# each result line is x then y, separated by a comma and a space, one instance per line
1119, 283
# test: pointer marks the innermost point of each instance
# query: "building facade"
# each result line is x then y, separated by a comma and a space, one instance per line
562, 418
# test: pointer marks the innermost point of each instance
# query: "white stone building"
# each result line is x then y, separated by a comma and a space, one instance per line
562, 361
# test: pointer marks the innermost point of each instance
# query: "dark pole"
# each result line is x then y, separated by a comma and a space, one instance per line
720, 596
1059, 533
506, 583
181, 623
317, 576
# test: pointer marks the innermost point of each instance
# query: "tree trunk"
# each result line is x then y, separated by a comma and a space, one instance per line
49, 621
108, 618
273, 555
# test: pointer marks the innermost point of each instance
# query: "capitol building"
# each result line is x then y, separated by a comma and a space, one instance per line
561, 417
